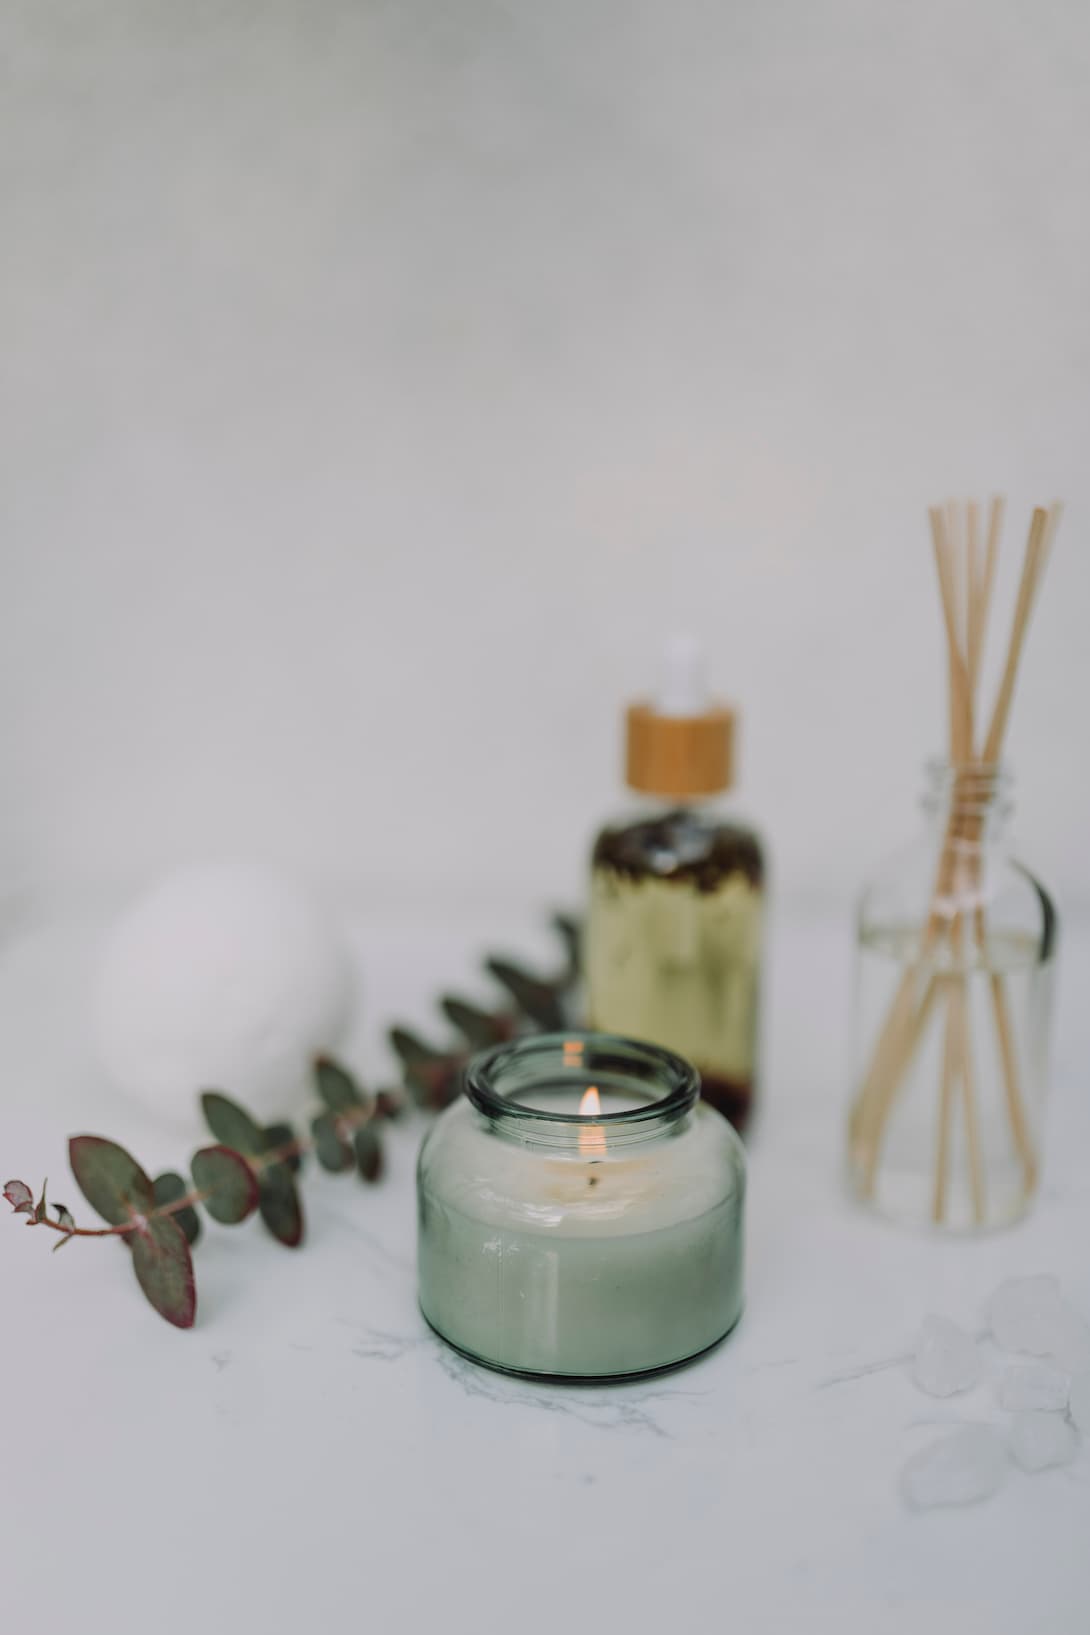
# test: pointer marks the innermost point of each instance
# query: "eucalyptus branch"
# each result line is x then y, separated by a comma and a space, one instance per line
251, 1168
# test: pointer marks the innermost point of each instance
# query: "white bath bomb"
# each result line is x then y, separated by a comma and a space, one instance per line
222, 976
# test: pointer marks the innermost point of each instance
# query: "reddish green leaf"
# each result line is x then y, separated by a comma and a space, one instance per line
433, 1076
331, 1149
228, 1181
168, 1188
368, 1152
537, 999
278, 1201
110, 1179
481, 1028
276, 1136
390, 1103
336, 1086
66, 1219
40, 1206
20, 1197
231, 1124
412, 1050
164, 1269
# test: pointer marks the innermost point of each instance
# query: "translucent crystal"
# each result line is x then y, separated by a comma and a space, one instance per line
1027, 1313
962, 1468
1079, 1401
1034, 1387
1070, 1339
946, 1359
1041, 1440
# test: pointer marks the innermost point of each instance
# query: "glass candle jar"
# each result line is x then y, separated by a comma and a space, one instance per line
580, 1211
957, 946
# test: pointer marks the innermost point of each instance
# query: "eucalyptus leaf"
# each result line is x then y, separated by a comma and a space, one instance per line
169, 1187
278, 1201
412, 1049
276, 1136
20, 1197
229, 1182
336, 1086
481, 1028
432, 1075
539, 1000
331, 1149
164, 1269
231, 1124
110, 1179
368, 1148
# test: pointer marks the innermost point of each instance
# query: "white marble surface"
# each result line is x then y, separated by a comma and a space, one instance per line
310, 1454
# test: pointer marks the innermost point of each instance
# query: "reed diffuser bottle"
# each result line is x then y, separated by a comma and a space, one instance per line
957, 946
676, 896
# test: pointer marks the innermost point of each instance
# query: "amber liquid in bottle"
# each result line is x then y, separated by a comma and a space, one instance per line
674, 943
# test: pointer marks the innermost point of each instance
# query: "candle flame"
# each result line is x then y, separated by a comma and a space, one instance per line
592, 1138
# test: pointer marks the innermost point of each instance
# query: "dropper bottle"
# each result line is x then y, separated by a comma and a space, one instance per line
676, 895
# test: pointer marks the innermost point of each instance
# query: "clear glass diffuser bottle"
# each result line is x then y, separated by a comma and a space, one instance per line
956, 954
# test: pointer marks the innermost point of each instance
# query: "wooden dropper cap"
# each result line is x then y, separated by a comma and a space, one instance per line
681, 745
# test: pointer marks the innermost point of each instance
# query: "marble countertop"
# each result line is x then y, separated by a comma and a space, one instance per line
311, 1454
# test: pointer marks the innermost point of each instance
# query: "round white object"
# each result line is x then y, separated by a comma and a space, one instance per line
221, 977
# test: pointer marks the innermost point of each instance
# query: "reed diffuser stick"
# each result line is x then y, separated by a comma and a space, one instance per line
1027, 590
963, 663
946, 1119
957, 1002
872, 1126
996, 514
1008, 1060
974, 574
960, 725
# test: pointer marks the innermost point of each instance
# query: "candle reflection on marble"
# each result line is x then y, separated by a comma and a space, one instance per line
580, 1211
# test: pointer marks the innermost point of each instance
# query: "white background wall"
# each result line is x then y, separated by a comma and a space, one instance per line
379, 381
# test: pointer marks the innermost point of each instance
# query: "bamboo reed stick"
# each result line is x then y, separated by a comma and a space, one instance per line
1027, 590
968, 830
946, 1118
886, 1088
1004, 1031
1008, 1060
996, 513
958, 1000
974, 577
960, 726
972, 1130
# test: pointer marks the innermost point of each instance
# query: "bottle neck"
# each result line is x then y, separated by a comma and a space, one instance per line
970, 799
658, 805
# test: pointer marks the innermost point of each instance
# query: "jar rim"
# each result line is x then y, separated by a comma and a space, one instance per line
588, 1053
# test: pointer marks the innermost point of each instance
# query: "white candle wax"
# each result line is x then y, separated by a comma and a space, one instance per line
537, 1257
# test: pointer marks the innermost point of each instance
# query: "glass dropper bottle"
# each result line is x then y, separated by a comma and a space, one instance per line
676, 896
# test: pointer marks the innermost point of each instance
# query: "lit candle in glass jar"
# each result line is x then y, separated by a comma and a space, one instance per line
581, 1210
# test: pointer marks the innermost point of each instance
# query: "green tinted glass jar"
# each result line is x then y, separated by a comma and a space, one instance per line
581, 1211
